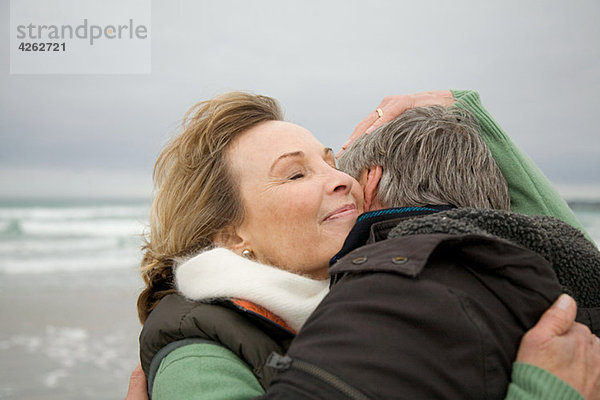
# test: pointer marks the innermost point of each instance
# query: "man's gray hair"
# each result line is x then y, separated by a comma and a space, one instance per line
430, 155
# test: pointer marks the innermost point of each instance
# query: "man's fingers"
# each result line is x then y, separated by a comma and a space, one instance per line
361, 128
393, 106
559, 317
380, 121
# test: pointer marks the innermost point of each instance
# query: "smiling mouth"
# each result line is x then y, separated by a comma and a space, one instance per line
344, 211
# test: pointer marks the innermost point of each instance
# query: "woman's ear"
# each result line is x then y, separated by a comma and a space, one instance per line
229, 238
371, 188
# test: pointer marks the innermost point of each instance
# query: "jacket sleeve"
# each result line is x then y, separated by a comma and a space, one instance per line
204, 372
530, 191
532, 383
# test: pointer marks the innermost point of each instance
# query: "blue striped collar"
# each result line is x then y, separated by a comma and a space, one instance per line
359, 234
396, 212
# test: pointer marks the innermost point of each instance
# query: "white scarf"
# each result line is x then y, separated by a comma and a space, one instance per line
220, 273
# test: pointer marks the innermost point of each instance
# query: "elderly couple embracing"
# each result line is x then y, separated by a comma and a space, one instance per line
431, 261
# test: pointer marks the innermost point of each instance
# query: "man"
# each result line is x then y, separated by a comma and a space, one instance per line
426, 288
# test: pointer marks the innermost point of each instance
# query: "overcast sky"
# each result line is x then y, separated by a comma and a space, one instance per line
536, 65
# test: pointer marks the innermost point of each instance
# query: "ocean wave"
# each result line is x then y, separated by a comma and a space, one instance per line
103, 227
72, 238
124, 259
60, 246
68, 213
10, 228
42, 238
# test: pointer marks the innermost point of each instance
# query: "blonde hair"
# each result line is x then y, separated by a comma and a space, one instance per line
196, 195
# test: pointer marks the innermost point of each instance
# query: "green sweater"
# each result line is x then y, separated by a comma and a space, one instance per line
530, 191
212, 372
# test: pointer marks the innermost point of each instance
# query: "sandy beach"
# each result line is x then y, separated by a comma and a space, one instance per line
68, 335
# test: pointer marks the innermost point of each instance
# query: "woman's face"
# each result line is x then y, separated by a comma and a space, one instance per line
299, 207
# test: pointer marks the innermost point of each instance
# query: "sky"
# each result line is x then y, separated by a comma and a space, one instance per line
536, 65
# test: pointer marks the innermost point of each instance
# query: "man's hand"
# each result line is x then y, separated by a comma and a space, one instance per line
556, 343
393, 106
137, 385
565, 348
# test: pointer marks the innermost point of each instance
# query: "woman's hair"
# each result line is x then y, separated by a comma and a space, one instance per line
430, 155
196, 194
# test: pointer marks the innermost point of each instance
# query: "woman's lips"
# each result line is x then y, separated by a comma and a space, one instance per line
344, 211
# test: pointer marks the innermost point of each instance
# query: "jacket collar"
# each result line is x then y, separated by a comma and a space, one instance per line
373, 226
575, 259
269, 292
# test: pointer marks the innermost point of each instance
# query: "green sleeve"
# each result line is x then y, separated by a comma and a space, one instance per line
204, 371
532, 383
211, 372
530, 191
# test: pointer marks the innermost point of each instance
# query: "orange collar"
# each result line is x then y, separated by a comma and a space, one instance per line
263, 312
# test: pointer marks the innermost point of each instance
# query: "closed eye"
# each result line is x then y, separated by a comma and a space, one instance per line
296, 176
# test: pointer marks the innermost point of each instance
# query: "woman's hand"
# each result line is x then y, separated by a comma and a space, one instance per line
137, 385
565, 348
393, 106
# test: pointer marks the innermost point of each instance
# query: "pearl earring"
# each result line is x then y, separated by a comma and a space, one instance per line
246, 253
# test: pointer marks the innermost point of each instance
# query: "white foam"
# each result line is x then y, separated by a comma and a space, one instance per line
104, 227
67, 346
123, 259
60, 246
71, 347
4, 225
62, 213
70, 238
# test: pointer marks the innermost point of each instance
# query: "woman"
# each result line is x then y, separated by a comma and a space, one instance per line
239, 178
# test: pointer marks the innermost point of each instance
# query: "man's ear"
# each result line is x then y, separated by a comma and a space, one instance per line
371, 188
231, 239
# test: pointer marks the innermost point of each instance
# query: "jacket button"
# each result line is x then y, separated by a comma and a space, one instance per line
359, 260
399, 260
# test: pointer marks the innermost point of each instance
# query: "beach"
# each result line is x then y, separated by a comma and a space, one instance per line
68, 335
68, 289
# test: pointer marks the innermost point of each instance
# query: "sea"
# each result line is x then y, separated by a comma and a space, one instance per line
70, 236
68, 285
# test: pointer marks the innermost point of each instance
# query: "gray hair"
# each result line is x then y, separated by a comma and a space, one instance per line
430, 155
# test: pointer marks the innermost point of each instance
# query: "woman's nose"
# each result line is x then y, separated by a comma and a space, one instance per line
340, 182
